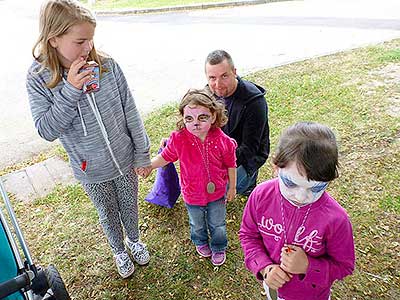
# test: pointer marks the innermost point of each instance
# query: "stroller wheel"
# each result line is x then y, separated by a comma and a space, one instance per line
56, 284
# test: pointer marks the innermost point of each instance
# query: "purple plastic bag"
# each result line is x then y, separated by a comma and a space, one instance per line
166, 188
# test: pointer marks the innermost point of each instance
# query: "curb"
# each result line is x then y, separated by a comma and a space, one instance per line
182, 7
38, 180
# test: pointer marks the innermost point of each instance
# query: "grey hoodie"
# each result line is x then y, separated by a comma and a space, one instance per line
104, 136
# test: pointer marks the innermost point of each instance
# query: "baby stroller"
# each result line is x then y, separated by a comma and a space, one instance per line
21, 279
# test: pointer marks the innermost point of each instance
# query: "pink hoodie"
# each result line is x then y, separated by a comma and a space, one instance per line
327, 238
193, 175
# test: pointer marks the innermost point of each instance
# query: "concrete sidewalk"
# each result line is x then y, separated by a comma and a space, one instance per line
38, 180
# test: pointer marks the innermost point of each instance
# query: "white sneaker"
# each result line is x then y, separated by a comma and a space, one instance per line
124, 264
139, 252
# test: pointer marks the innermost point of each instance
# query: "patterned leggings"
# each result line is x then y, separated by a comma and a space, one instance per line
116, 204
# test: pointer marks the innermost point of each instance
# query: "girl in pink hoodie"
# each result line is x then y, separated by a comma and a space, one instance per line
296, 238
207, 162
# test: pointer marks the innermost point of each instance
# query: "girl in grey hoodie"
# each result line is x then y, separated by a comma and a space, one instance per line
101, 130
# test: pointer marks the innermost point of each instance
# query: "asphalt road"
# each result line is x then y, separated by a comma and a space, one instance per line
163, 55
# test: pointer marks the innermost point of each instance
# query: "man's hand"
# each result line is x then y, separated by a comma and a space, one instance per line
163, 142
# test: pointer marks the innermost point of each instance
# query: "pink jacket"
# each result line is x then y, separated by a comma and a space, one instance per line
327, 239
193, 174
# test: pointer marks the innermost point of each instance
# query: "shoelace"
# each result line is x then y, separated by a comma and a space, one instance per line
138, 247
121, 258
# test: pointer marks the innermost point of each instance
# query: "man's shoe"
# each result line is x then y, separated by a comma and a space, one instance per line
204, 250
124, 264
139, 252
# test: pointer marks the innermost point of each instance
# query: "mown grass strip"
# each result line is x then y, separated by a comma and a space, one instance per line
134, 4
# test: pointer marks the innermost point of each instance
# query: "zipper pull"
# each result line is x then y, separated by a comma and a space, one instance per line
83, 165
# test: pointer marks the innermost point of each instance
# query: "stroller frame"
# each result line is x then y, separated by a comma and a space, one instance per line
31, 282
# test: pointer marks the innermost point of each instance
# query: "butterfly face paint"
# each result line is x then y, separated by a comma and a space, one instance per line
198, 120
298, 189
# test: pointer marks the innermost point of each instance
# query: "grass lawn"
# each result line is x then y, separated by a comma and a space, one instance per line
121, 4
355, 92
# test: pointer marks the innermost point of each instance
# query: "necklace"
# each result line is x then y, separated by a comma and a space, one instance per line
210, 184
302, 223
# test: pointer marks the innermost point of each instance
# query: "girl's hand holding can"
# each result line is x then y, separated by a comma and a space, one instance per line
77, 78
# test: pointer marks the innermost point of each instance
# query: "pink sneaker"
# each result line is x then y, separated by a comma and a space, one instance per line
203, 250
218, 258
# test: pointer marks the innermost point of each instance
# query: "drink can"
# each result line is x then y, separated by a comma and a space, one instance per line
93, 84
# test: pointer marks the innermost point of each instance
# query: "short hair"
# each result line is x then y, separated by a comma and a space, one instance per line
204, 98
56, 18
218, 56
312, 146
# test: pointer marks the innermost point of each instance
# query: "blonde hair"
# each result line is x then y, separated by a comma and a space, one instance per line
56, 18
203, 98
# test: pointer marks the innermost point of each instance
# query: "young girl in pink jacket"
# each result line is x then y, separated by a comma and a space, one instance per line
296, 238
207, 170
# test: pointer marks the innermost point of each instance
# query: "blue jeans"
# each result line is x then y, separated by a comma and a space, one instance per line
210, 218
244, 180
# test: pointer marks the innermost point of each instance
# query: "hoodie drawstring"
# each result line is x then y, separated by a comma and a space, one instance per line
82, 121
80, 114
92, 102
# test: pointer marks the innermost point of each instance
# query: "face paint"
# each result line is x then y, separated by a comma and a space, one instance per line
198, 120
298, 189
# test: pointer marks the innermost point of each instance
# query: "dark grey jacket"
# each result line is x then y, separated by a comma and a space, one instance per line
248, 124
99, 149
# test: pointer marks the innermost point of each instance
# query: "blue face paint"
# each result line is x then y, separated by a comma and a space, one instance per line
288, 183
319, 187
298, 189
